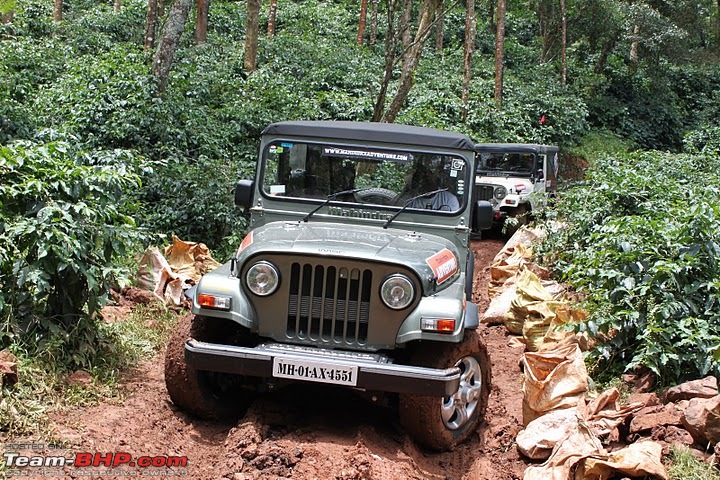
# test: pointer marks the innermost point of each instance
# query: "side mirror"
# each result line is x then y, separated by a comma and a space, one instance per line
244, 193
482, 215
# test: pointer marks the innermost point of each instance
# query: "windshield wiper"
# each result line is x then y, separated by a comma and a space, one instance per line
330, 197
407, 204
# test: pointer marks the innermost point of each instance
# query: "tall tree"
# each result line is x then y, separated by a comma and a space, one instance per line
151, 25
440, 26
251, 35
201, 21
391, 42
499, 52
373, 22
411, 59
469, 52
547, 27
405, 24
563, 43
272, 18
361, 23
169, 41
57, 11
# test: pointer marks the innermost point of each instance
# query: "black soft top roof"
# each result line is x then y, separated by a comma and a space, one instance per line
372, 132
515, 147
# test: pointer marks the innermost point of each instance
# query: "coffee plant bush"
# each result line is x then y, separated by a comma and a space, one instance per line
63, 229
642, 242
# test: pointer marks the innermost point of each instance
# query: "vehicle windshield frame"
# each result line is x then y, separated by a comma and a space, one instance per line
463, 175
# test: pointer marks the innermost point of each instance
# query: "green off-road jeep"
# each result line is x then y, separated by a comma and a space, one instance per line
356, 271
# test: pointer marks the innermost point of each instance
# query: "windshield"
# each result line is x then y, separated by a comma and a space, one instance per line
365, 175
506, 163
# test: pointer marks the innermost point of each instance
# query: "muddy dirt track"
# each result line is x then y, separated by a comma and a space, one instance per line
305, 433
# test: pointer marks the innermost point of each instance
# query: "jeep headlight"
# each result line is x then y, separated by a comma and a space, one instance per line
262, 278
500, 192
397, 292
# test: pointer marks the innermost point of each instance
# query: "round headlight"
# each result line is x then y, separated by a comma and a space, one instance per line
500, 192
262, 278
397, 292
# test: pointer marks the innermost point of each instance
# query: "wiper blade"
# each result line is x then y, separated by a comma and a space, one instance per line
407, 204
329, 198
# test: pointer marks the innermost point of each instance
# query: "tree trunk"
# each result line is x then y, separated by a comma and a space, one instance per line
491, 16
373, 22
604, 54
563, 47
405, 25
7, 18
499, 52
361, 23
469, 52
545, 29
201, 21
251, 36
169, 41
57, 12
117, 6
391, 41
272, 17
440, 25
634, 50
411, 60
151, 25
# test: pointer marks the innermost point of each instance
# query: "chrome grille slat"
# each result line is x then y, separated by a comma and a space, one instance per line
329, 303
484, 192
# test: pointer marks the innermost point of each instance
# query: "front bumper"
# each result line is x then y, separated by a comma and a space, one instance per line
375, 373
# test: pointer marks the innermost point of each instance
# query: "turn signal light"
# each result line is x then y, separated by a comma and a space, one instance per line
211, 301
441, 325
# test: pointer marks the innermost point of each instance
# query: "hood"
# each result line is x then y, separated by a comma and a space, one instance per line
434, 258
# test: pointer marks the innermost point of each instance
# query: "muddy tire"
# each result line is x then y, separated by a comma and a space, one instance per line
443, 423
207, 395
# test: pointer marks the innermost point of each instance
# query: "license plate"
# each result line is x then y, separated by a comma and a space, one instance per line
313, 371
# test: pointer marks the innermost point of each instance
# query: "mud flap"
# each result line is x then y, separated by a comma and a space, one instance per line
471, 315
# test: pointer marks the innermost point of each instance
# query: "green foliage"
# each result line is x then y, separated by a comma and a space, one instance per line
705, 140
642, 242
63, 226
684, 465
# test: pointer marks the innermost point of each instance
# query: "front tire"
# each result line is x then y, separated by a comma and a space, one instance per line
443, 423
206, 395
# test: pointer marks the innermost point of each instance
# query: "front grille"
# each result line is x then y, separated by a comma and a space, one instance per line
484, 192
328, 303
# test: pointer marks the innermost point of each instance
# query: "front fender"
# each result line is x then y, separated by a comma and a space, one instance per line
221, 282
446, 304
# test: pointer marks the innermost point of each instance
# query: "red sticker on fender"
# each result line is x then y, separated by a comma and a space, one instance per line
443, 264
247, 241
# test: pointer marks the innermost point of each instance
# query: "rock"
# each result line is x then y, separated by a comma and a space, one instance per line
8, 368
646, 399
138, 295
703, 388
80, 377
672, 435
650, 417
702, 419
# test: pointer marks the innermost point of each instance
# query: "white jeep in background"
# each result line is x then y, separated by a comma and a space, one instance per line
514, 178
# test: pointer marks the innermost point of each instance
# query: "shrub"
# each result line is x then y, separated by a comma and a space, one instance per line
63, 228
643, 243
